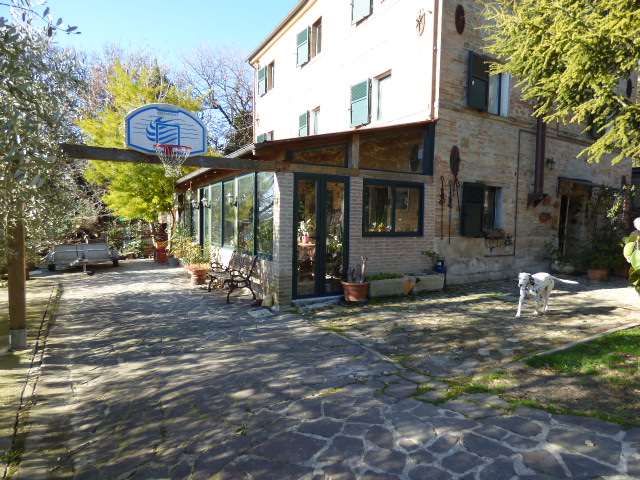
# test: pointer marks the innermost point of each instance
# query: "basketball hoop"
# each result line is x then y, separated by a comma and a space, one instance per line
172, 157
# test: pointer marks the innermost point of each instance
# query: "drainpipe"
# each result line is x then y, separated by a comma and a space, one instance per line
435, 74
538, 177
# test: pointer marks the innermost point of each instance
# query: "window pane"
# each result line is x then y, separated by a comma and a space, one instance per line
494, 94
408, 201
383, 84
265, 213
398, 153
245, 213
505, 85
206, 220
216, 214
194, 220
335, 155
377, 208
230, 210
488, 209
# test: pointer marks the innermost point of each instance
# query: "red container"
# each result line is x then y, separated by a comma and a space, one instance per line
355, 292
161, 255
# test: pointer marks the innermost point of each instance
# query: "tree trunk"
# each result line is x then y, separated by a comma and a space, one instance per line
17, 284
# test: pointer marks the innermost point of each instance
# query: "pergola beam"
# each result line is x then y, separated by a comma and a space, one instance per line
123, 155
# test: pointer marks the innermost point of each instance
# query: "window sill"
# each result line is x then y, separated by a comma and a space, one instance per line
391, 234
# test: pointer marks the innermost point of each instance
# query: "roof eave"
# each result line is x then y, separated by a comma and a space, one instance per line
299, 6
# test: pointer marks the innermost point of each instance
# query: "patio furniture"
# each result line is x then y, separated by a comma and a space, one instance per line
241, 277
220, 271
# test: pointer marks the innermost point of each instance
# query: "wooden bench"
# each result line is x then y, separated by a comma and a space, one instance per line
237, 274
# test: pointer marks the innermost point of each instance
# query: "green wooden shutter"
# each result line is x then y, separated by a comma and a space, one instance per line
303, 124
360, 103
360, 9
303, 47
478, 82
472, 210
261, 138
262, 81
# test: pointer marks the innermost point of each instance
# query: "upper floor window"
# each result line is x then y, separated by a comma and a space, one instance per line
361, 103
382, 94
360, 9
302, 42
265, 78
303, 124
315, 120
309, 43
265, 137
316, 38
486, 92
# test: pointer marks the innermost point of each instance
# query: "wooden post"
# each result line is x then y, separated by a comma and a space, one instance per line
17, 284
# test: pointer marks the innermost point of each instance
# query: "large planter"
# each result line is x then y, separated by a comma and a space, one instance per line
355, 292
598, 274
391, 287
429, 283
198, 274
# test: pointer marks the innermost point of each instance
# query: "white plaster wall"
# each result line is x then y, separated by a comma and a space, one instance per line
387, 40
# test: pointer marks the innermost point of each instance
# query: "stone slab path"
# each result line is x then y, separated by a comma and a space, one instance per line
147, 378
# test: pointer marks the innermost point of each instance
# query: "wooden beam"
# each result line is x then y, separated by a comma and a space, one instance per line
124, 155
17, 284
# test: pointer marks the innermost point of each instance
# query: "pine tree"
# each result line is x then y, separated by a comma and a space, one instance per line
576, 61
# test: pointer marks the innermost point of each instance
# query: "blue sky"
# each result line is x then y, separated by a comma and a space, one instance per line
168, 28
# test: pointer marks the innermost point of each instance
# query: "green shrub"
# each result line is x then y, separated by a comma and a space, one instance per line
384, 276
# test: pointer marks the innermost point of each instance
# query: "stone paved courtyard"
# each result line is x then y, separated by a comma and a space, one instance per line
146, 377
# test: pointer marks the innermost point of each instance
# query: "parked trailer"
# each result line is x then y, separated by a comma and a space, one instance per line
81, 254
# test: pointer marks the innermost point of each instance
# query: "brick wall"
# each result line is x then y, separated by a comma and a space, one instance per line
499, 152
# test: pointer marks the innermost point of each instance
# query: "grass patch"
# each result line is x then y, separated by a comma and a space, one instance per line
334, 328
492, 383
614, 358
618, 418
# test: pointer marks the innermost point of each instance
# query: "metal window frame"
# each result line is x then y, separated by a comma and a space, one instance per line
394, 185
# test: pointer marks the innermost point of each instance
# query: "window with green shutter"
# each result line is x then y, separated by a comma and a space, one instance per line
261, 138
303, 124
478, 82
262, 81
360, 9
360, 103
472, 210
303, 47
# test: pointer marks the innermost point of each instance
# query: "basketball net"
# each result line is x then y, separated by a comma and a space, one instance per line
172, 158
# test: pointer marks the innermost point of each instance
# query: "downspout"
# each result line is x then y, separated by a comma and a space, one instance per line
538, 177
435, 73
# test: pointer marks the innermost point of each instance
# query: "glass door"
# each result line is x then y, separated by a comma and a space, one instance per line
320, 250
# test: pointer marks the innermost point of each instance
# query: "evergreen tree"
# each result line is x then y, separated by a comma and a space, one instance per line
576, 60
134, 191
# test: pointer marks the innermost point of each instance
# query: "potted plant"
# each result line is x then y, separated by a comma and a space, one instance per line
305, 228
389, 284
197, 261
356, 288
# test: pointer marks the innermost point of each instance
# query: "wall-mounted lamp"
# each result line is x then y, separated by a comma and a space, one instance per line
205, 202
550, 163
194, 203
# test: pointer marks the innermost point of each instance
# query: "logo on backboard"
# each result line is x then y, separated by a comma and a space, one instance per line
166, 124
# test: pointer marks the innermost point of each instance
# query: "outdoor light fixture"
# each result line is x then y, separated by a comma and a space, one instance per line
194, 203
205, 202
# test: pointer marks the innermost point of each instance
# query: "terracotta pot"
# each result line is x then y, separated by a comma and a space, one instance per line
161, 255
355, 292
598, 274
198, 275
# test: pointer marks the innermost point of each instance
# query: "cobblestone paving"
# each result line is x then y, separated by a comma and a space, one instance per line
148, 378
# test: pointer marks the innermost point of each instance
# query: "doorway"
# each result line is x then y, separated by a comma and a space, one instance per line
320, 224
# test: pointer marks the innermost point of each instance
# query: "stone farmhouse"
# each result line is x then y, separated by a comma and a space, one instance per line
383, 134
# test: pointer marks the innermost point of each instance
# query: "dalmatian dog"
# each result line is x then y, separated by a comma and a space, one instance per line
537, 287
